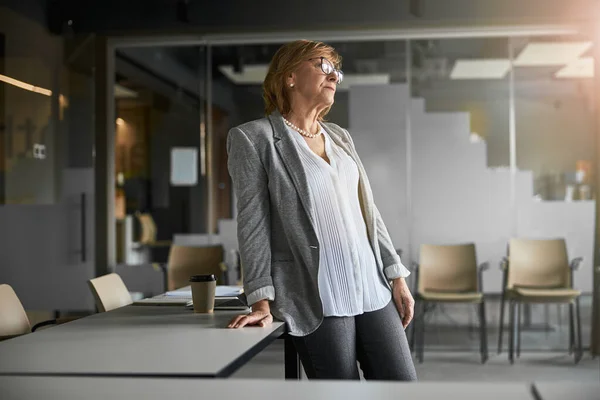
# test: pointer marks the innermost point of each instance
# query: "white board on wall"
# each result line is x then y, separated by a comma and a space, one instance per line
184, 166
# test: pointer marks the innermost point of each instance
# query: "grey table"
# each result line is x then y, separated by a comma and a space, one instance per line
65, 388
140, 341
566, 390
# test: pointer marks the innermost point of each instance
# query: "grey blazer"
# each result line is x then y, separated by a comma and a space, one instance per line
278, 245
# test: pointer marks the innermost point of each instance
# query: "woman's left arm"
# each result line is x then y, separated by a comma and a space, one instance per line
395, 271
392, 264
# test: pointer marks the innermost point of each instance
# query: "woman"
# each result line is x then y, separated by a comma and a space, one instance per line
314, 249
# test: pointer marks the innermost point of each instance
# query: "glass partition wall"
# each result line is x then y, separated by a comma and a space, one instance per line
160, 151
47, 114
555, 151
471, 140
461, 175
465, 140
509, 123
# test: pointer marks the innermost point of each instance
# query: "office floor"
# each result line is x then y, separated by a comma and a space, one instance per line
454, 327
452, 349
460, 366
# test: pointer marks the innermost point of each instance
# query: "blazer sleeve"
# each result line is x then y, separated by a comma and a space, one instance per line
250, 184
392, 264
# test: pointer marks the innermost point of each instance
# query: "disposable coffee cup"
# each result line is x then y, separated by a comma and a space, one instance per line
203, 293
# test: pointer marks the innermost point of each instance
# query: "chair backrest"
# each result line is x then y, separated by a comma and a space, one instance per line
448, 268
148, 232
538, 263
109, 292
13, 319
186, 261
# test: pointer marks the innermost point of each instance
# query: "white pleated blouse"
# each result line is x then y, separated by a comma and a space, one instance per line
349, 282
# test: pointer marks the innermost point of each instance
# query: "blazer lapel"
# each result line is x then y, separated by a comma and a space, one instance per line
340, 141
364, 194
287, 149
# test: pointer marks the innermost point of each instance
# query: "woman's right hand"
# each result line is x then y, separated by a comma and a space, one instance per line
260, 316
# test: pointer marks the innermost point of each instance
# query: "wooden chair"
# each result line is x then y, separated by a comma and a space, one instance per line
186, 261
13, 318
538, 271
148, 232
148, 248
109, 292
448, 274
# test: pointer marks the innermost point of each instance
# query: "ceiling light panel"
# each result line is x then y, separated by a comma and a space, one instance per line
480, 69
550, 54
363, 79
580, 68
250, 75
122, 92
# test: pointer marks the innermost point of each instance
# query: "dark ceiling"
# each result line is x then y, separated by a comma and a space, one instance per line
239, 16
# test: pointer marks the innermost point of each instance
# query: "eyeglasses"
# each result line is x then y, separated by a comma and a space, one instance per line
327, 68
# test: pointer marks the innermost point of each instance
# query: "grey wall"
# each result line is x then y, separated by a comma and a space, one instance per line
339, 112
176, 209
250, 105
33, 56
79, 143
455, 197
554, 119
378, 126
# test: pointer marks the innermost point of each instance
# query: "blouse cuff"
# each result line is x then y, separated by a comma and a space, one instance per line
396, 271
264, 293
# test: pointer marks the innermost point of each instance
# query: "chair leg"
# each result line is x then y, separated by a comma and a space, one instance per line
412, 327
571, 329
579, 351
547, 318
501, 322
511, 334
421, 333
518, 328
559, 316
483, 332
412, 335
471, 324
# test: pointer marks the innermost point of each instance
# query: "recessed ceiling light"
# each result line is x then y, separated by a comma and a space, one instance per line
580, 68
480, 69
549, 54
123, 92
250, 75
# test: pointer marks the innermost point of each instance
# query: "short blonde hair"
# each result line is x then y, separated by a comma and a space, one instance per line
285, 61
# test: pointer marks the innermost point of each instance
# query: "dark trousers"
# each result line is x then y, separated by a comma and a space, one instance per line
375, 339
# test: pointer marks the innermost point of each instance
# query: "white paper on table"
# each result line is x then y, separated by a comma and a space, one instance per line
228, 291
180, 293
221, 291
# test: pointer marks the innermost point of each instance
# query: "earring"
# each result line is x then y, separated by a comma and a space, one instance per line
291, 85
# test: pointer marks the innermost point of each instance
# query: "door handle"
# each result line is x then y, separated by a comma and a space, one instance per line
83, 207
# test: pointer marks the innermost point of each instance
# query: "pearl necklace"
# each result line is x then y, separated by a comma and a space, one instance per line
301, 131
